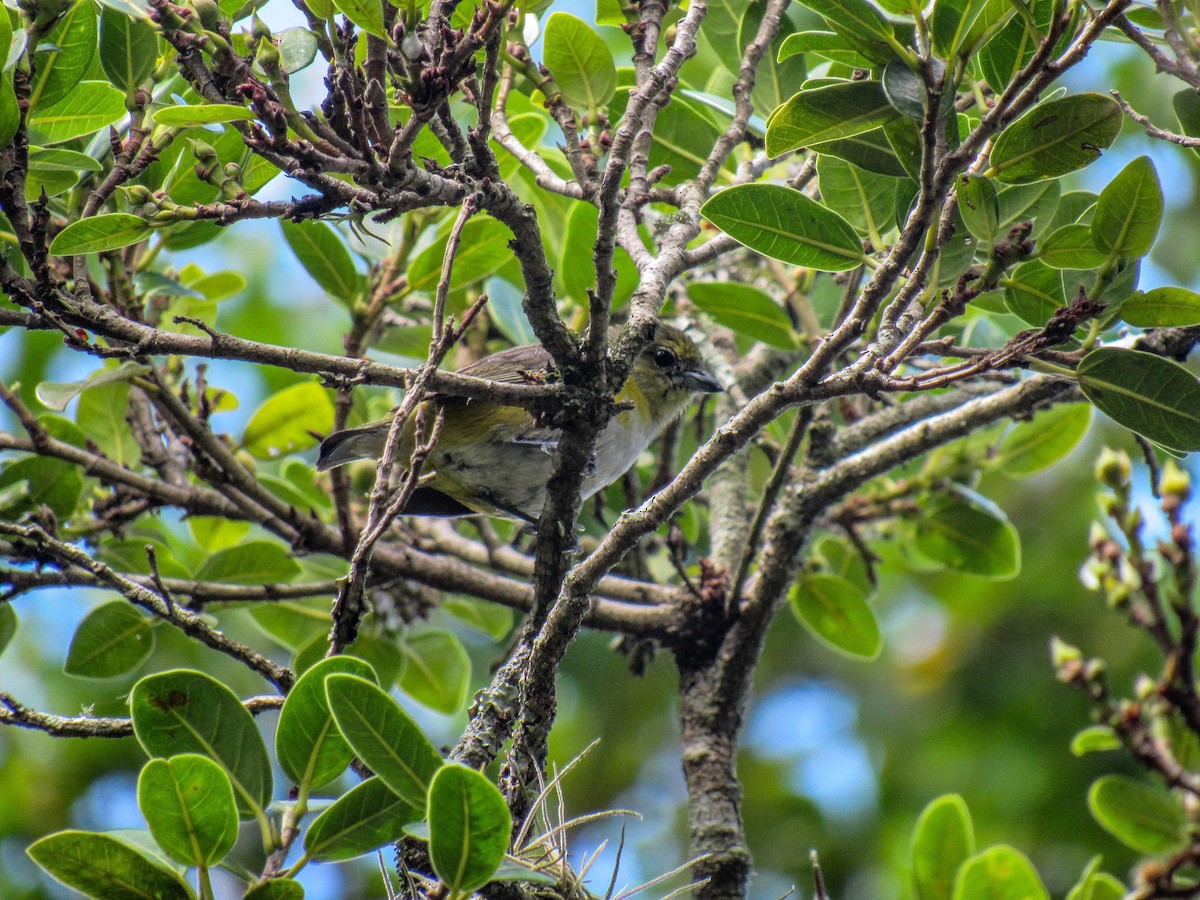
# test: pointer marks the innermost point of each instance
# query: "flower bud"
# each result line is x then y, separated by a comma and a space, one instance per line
1113, 468
1175, 481
1061, 653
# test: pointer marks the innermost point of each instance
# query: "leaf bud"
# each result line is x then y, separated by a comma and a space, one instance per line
1062, 653
1175, 482
1113, 468
209, 13
1144, 687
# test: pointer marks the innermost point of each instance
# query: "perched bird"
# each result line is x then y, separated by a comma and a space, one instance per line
496, 460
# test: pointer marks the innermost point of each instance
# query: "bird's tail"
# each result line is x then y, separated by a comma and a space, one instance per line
363, 442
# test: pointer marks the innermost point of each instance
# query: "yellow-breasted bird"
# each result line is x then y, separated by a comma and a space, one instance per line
496, 459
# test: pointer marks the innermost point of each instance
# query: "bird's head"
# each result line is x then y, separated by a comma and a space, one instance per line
669, 371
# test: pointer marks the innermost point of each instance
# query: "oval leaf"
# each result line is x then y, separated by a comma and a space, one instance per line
1038, 444
113, 639
383, 735
469, 828
1055, 138
368, 817
201, 114
786, 225
746, 310
437, 671
999, 873
105, 867
311, 750
580, 61
828, 113
324, 256
1157, 398
1144, 818
188, 803
111, 231
838, 614
288, 420
943, 841
252, 562
1162, 307
969, 535
1129, 211
184, 711
90, 106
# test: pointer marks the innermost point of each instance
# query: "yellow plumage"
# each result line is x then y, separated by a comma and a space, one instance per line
496, 460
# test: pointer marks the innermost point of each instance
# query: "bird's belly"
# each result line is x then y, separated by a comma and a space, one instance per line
499, 479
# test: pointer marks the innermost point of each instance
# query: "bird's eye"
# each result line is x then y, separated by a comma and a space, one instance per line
664, 358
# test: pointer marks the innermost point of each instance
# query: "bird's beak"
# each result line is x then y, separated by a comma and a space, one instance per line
702, 381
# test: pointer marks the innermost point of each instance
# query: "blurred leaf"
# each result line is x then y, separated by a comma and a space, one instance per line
366, 14
580, 62
1145, 818
53, 482
325, 257
288, 420
293, 623
437, 670
1098, 886
8, 625
469, 828
745, 310
999, 873
942, 842
106, 868
1129, 211
1045, 439
188, 803
368, 817
202, 114
251, 562
838, 614
786, 225
114, 638
483, 249
310, 749
865, 199
1157, 398
1055, 138
1162, 307
828, 113
492, 619
1095, 739
57, 394
183, 711
1034, 292
506, 312
967, 534
1037, 201
213, 533
383, 736
1071, 247
101, 414
276, 889
110, 231
979, 206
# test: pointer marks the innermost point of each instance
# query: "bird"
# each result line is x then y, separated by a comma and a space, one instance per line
495, 460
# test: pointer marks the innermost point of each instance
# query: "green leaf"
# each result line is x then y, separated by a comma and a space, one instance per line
205, 114
10, 111
213, 533
1071, 247
580, 62
128, 49
746, 310
101, 415
297, 49
682, 131
481, 252
1012, 48
966, 533
828, 113
437, 670
786, 225
366, 14
861, 24
492, 619
959, 26
324, 255
979, 206
942, 842
1095, 739
1129, 211
183, 711
106, 868
1142, 817
276, 889
870, 150
838, 614
1162, 307
1037, 201
8, 625
1157, 398
1039, 443
865, 199
110, 231
188, 803
288, 420
1034, 292
310, 749
293, 623
1055, 138
825, 44
64, 55
57, 394
89, 107
368, 817
252, 562
1098, 886
113, 639
999, 873
383, 735
469, 828
51, 482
